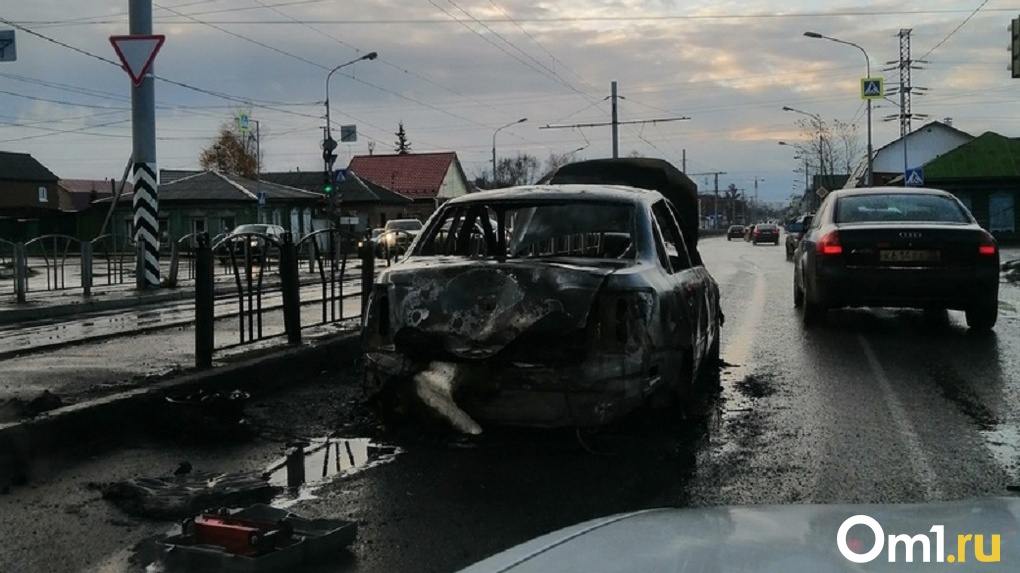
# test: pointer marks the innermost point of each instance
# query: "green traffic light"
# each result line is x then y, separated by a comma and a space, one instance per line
328, 189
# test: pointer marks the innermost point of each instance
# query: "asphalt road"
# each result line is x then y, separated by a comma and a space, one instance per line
875, 406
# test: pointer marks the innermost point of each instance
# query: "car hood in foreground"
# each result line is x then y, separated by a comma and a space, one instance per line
475, 308
760, 539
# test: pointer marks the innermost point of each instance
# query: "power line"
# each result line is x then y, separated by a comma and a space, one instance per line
556, 20
956, 29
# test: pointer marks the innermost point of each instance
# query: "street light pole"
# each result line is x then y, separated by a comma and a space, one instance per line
821, 137
867, 61
522, 120
328, 143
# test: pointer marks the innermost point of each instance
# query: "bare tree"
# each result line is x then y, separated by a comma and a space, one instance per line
232, 152
520, 170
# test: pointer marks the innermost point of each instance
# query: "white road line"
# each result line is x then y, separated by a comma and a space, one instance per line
898, 415
738, 350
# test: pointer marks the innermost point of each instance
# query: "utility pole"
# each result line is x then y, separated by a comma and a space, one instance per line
715, 209
614, 122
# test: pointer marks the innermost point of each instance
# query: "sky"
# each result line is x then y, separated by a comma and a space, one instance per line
454, 73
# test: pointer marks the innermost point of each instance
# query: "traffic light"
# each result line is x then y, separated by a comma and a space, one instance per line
327, 184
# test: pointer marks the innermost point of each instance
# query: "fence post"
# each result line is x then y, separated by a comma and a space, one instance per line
291, 287
205, 319
20, 271
367, 274
175, 263
86, 267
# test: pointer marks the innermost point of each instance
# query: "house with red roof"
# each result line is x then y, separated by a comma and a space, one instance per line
428, 179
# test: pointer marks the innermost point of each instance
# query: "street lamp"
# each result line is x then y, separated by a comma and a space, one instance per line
867, 62
821, 137
522, 120
328, 143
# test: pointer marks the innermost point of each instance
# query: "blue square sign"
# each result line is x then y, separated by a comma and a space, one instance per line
914, 177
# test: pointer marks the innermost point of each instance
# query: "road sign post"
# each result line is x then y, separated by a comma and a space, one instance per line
137, 52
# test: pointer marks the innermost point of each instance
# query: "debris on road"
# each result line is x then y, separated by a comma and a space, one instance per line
254, 539
183, 496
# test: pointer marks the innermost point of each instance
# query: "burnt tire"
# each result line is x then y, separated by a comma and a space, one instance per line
982, 315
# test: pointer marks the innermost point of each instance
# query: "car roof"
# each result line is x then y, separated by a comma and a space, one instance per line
566, 191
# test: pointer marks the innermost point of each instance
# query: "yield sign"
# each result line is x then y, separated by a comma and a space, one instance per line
137, 53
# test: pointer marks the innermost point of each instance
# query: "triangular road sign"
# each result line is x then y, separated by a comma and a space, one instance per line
915, 177
137, 53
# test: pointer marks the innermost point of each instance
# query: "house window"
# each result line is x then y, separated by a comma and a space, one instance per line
43, 195
197, 226
164, 229
226, 224
129, 229
1001, 216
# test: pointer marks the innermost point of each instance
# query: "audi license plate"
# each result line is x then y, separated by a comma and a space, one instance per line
909, 256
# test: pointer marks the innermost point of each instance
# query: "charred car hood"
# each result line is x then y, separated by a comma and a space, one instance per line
769, 539
475, 308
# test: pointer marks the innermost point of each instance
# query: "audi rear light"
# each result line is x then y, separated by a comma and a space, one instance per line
987, 247
829, 244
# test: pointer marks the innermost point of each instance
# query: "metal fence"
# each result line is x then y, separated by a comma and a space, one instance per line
257, 297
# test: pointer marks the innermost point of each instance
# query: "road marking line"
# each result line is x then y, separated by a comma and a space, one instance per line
906, 430
739, 349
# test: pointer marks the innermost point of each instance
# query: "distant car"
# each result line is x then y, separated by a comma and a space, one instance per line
258, 239
765, 233
544, 306
735, 232
794, 231
397, 236
895, 247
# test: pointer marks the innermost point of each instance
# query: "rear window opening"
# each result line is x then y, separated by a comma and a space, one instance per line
521, 230
894, 207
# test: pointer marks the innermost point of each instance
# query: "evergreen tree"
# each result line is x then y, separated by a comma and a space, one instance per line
403, 145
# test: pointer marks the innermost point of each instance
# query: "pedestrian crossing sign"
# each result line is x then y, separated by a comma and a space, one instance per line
914, 177
872, 88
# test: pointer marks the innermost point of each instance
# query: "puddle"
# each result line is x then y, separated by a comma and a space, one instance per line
327, 458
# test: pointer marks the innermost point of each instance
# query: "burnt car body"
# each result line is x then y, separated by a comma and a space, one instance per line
544, 306
894, 247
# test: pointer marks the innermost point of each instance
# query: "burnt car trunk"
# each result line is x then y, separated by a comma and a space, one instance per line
471, 310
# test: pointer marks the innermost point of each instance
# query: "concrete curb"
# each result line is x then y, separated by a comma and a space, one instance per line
136, 411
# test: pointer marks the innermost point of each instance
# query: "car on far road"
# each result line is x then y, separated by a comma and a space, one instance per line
258, 239
894, 247
735, 232
398, 234
765, 233
794, 231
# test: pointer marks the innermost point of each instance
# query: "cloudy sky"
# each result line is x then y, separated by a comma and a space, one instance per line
454, 71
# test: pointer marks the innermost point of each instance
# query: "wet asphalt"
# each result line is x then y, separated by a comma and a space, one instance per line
873, 406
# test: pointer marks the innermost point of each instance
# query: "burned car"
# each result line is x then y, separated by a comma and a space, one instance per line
544, 306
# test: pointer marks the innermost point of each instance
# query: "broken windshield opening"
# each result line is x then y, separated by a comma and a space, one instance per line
531, 230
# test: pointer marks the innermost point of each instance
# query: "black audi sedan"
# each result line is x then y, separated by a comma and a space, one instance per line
897, 247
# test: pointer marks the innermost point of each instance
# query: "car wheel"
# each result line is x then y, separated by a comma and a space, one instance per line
982, 315
798, 295
814, 313
729, 238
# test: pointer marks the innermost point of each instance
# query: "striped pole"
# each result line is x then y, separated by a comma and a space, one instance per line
146, 223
